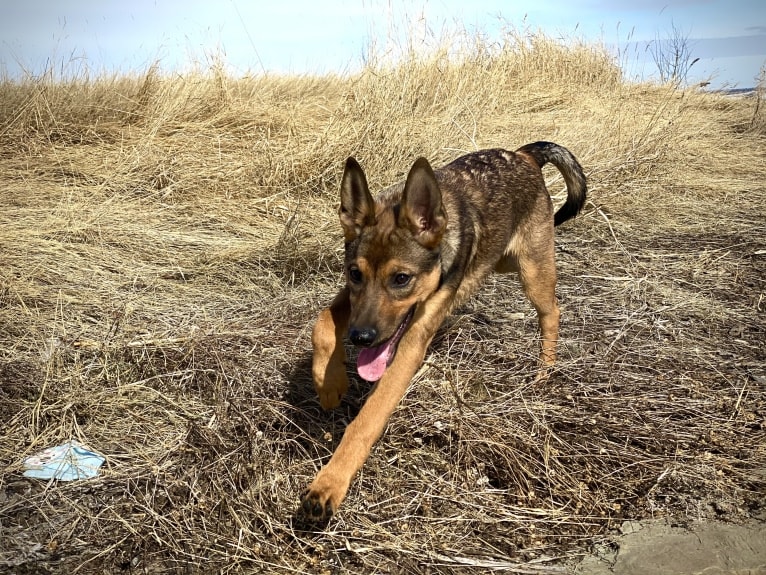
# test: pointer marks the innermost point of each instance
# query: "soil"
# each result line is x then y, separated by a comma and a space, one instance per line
657, 547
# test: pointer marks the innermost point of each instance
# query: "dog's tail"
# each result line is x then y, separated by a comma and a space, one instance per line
567, 164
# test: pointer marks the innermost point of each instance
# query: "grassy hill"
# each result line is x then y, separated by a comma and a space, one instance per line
166, 243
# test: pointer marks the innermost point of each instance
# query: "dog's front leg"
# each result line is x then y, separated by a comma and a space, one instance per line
329, 488
329, 361
327, 491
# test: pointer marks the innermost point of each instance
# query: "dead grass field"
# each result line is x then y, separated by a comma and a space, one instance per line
166, 243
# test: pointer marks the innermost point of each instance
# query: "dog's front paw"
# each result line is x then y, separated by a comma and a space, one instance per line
322, 498
313, 509
331, 385
330, 398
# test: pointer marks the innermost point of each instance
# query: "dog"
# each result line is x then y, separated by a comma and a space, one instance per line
413, 254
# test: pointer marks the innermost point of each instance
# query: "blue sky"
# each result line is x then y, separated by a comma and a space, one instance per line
729, 36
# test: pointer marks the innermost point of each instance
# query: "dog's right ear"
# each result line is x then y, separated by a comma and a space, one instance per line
357, 208
422, 210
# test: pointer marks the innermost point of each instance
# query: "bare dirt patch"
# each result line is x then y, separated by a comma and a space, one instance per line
655, 547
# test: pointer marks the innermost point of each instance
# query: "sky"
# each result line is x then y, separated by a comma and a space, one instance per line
317, 37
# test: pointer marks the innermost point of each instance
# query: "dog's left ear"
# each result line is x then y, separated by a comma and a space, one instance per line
422, 211
357, 208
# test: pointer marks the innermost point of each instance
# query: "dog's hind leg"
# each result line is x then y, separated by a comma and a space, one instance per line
531, 255
329, 361
538, 280
537, 272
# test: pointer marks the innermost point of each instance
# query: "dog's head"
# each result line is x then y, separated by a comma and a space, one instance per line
392, 259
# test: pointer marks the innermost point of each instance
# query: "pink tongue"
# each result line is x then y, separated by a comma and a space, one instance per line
372, 361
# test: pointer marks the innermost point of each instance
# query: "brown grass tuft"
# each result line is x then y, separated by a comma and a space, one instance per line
166, 243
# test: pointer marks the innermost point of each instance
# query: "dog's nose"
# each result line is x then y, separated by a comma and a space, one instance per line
362, 336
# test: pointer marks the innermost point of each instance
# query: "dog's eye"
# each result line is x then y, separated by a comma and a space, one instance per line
401, 280
355, 275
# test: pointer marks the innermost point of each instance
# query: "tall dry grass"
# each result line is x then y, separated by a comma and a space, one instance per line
166, 242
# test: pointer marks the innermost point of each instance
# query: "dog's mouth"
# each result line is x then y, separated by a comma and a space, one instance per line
373, 361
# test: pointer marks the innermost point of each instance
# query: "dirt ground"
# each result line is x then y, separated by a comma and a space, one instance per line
657, 547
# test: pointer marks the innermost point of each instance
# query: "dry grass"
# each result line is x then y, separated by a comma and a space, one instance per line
166, 242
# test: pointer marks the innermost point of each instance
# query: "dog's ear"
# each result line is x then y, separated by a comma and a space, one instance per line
357, 208
422, 211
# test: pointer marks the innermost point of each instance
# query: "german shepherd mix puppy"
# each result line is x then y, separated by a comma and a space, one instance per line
413, 254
